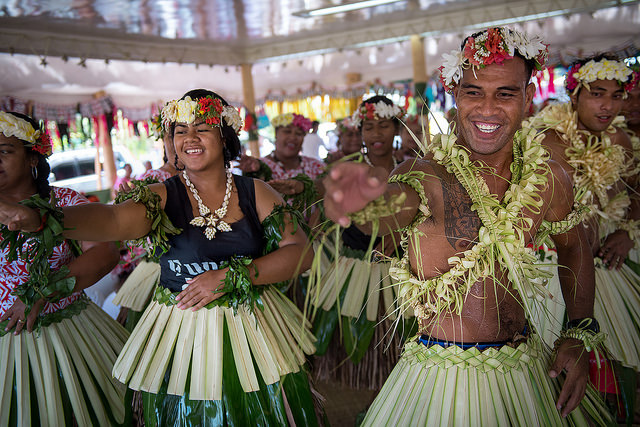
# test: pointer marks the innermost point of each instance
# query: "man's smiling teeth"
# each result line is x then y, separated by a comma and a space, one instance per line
486, 127
194, 150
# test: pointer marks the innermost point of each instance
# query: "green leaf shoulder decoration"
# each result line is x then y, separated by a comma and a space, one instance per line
501, 236
35, 249
155, 242
274, 225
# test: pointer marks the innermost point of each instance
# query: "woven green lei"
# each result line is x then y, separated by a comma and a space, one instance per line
382, 207
575, 217
34, 249
155, 242
501, 236
238, 289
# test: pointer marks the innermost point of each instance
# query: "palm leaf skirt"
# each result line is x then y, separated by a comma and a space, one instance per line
617, 308
365, 285
546, 315
63, 373
275, 339
450, 386
137, 290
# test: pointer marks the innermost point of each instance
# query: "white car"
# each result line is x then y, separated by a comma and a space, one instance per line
75, 169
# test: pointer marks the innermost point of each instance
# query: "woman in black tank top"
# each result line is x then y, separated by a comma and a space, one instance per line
216, 333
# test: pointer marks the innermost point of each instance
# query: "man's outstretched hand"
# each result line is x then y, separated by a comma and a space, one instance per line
349, 187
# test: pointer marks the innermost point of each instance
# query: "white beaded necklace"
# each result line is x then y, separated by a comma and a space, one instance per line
211, 221
368, 161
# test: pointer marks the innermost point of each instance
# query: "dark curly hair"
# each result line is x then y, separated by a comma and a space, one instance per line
43, 168
229, 137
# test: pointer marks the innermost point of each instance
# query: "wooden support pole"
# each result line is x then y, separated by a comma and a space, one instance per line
250, 105
419, 71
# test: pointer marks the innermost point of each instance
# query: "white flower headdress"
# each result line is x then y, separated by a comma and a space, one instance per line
210, 108
581, 74
11, 125
494, 45
376, 111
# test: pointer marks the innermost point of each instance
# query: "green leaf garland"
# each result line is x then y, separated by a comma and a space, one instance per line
35, 249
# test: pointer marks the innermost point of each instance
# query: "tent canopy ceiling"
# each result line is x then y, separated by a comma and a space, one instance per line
144, 50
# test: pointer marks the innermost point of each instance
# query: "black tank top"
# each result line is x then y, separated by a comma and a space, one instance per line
191, 253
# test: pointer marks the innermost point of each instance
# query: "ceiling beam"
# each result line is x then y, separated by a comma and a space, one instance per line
31, 36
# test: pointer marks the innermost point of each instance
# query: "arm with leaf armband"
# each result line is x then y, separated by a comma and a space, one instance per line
287, 254
134, 215
576, 269
356, 192
293, 254
577, 279
98, 222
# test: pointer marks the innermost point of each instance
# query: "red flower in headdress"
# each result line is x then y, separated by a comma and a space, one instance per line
43, 144
370, 111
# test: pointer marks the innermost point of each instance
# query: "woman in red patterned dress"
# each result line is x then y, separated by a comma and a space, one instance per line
55, 354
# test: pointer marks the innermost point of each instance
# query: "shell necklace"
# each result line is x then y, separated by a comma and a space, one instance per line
368, 160
212, 221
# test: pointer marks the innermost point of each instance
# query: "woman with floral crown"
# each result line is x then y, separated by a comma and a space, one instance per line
285, 169
217, 345
467, 216
583, 136
57, 347
349, 140
349, 284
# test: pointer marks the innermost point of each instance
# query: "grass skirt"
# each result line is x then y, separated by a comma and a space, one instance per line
358, 339
547, 312
64, 373
617, 309
455, 387
137, 290
188, 347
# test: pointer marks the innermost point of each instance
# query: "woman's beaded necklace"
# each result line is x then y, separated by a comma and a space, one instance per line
212, 221
368, 160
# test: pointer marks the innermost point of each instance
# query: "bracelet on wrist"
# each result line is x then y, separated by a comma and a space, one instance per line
586, 330
377, 208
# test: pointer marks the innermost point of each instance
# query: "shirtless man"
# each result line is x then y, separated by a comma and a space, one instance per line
583, 135
595, 103
492, 99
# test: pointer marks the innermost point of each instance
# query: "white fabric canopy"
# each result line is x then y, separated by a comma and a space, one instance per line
136, 84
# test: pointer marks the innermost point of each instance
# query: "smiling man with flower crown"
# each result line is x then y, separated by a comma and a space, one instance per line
584, 135
468, 218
